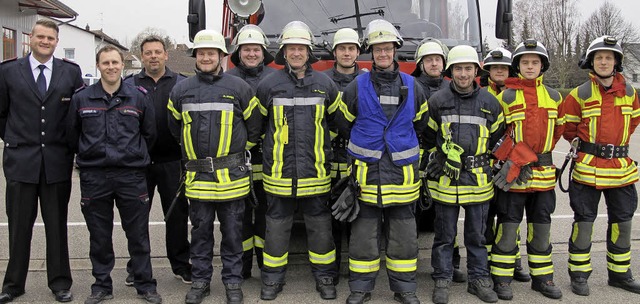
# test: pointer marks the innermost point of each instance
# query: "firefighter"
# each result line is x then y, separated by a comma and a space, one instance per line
602, 165
214, 116
299, 102
251, 58
111, 127
381, 113
465, 123
526, 180
497, 63
431, 57
346, 49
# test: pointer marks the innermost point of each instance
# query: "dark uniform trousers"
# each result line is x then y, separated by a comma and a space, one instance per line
203, 214
621, 203
128, 187
22, 209
446, 229
511, 207
398, 226
317, 219
253, 230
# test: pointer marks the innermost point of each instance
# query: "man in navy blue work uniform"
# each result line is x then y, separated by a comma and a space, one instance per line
34, 100
164, 171
111, 126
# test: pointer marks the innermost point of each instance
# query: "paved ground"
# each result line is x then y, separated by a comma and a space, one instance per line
300, 285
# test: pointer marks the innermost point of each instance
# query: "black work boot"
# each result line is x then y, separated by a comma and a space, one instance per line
234, 293
326, 288
629, 284
547, 289
483, 289
503, 291
458, 275
406, 297
519, 274
198, 291
270, 290
441, 292
358, 297
580, 286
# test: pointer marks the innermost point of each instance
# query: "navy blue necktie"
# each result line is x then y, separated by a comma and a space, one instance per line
42, 81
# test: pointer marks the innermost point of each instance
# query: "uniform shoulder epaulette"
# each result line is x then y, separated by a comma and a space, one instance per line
630, 90
142, 89
84, 86
9, 60
69, 61
553, 93
584, 90
508, 96
128, 76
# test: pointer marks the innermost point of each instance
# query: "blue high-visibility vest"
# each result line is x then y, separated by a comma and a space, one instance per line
373, 133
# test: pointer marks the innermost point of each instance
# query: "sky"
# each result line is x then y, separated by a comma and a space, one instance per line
124, 19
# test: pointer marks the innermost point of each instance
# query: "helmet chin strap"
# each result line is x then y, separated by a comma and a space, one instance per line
607, 76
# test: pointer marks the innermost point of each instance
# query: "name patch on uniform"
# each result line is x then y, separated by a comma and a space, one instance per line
228, 97
65, 99
88, 111
131, 112
485, 110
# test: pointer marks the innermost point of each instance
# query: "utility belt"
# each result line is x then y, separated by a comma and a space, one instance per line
544, 159
607, 151
475, 161
210, 164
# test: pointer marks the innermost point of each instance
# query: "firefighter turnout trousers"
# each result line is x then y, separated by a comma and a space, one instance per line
398, 225
511, 206
621, 205
279, 220
253, 229
203, 214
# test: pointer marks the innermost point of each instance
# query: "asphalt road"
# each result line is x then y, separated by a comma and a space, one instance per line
300, 285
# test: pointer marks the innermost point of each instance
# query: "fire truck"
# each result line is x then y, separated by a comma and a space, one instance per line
453, 22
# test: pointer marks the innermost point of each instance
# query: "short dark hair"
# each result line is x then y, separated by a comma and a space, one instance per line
108, 48
152, 38
47, 23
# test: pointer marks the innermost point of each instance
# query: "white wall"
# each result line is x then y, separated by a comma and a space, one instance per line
84, 45
21, 22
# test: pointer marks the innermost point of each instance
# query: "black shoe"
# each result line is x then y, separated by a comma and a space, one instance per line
97, 297
184, 275
6, 297
503, 291
441, 292
129, 280
358, 297
547, 289
629, 284
246, 275
234, 293
196, 294
151, 296
483, 289
63, 295
406, 297
579, 286
270, 291
521, 275
459, 276
326, 288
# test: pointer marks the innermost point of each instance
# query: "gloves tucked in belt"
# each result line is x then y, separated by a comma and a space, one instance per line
346, 207
436, 164
453, 164
520, 156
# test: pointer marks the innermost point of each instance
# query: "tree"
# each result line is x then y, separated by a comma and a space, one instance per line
608, 20
150, 31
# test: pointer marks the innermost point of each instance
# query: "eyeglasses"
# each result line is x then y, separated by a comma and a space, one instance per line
386, 50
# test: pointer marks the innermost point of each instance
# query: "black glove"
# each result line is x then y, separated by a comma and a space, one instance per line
500, 178
346, 207
425, 201
436, 164
526, 173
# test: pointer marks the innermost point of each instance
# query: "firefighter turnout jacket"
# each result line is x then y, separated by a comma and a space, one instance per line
214, 116
534, 115
591, 114
291, 104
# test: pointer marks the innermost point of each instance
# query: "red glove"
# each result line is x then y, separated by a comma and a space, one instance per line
503, 148
520, 155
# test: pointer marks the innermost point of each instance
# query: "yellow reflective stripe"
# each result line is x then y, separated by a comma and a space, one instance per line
186, 136
510, 118
433, 124
364, 266
551, 126
445, 193
424, 108
580, 268
258, 241
615, 232
253, 103
572, 118
335, 104
278, 145
324, 259
319, 142
635, 113
271, 261
407, 174
402, 265
506, 259
541, 271
622, 257
247, 244
618, 268
529, 232
481, 146
362, 169
173, 110
579, 257
496, 124
262, 109
345, 111
611, 177
249, 145
534, 258
625, 129
502, 272
216, 191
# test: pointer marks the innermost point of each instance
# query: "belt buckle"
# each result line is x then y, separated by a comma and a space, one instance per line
472, 161
610, 149
210, 164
